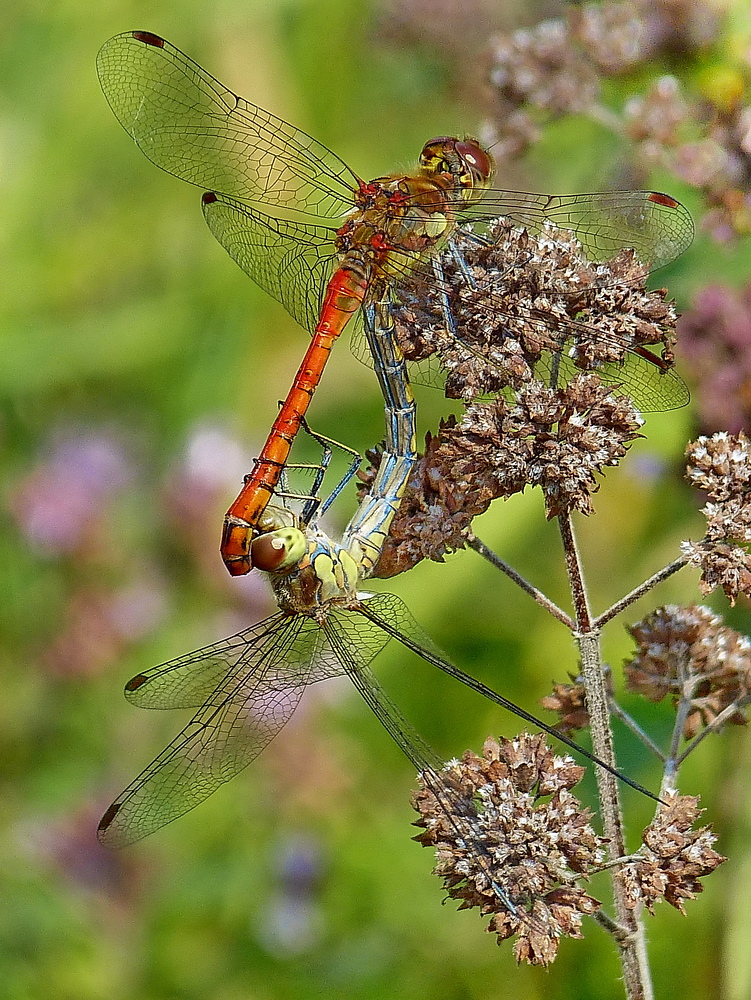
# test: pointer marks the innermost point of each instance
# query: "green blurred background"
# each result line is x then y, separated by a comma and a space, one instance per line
140, 372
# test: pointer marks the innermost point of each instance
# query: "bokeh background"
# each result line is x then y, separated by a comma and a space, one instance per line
139, 372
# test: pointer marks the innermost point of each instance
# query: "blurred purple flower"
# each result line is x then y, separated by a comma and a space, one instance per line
139, 608
199, 489
714, 341
207, 477
98, 625
294, 919
58, 501
69, 844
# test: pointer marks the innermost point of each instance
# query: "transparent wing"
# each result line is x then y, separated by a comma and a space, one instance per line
357, 638
265, 671
192, 126
192, 680
292, 261
650, 382
356, 641
388, 615
656, 226
341, 628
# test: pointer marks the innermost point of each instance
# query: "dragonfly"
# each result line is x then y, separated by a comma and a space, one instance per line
325, 243
246, 688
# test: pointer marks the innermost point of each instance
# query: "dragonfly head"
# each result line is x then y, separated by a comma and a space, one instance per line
277, 551
470, 167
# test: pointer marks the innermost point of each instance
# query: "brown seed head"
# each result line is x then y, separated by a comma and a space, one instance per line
528, 307
673, 857
721, 466
687, 653
557, 439
569, 702
515, 824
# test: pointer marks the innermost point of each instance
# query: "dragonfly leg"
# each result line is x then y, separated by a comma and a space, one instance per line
328, 445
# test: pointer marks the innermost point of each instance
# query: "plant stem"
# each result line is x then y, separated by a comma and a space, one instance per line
639, 591
635, 728
634, 960
734, 708
575, 575
495, 560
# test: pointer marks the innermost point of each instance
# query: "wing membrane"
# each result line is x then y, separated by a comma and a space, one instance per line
657, 227
192, 126
249, 706
190, 681
292, 261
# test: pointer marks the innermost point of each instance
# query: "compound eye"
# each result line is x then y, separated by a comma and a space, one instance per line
277, 550
439, 143
267, 552
475, 157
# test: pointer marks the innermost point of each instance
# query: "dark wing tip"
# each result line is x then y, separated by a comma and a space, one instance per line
135, 683
208, 198
664, 199
106, 820
149, 38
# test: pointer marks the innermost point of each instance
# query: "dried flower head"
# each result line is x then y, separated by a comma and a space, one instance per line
655, 119
543, 68
674, 857
570, 703
559, 67
721, 565
726, 184
689, 655
721, 466
706, 145
557, 439
436, 508
508, 821
528, 307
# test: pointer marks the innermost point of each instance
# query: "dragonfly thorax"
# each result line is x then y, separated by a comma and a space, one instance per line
396, 220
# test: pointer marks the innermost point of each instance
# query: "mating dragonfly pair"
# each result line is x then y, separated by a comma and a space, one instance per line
247, 687
324, 242
330, 247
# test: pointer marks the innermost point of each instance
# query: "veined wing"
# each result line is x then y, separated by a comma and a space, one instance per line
422, 302
192, 126
193, 680
389, 613
345, 629
656, 226
260, 689
292, 261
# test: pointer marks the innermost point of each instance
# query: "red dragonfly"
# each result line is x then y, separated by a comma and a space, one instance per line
323, 241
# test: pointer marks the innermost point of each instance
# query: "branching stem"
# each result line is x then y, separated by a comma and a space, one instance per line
537, 595
632, 944
639, 591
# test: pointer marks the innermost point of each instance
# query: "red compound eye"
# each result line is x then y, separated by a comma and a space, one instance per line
475, 157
